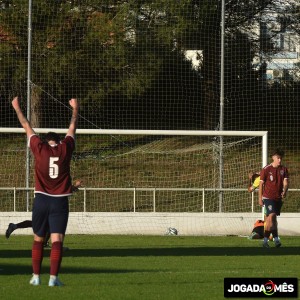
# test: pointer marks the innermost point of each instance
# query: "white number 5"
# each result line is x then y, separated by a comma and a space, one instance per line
53, 167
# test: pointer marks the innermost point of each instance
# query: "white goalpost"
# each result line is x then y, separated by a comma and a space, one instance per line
145, 181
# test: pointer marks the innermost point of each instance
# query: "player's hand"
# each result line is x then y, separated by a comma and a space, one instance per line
260, 202
15, 103
78, 183
73, 103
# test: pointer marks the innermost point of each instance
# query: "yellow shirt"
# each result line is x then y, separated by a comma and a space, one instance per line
255, 184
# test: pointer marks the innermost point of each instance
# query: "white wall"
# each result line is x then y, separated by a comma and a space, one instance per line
158, 223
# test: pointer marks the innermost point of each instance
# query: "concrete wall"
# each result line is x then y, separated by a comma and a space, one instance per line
158, 223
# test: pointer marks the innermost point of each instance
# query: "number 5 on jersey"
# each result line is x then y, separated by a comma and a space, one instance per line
53, 167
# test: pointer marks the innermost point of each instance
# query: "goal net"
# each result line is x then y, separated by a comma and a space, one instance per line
160, 64
143, 182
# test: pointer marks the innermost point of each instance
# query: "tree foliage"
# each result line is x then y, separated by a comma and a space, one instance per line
126, 58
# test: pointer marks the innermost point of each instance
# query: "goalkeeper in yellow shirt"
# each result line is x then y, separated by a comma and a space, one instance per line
254, 180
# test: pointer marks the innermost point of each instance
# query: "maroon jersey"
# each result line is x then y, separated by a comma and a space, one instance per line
52, 166
273, 181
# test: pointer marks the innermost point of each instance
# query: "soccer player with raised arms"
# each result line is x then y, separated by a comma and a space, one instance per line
52, 187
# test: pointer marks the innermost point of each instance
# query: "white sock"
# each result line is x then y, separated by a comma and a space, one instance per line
266, 239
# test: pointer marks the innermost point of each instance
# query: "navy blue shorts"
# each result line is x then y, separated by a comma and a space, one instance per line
272, 206
49, 214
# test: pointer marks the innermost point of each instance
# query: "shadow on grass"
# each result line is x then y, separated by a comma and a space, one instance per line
184, 251
13, 269
172, 251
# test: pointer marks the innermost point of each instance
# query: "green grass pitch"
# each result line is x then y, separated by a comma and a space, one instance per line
144, 267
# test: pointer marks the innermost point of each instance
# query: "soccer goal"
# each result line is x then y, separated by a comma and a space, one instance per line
145, 181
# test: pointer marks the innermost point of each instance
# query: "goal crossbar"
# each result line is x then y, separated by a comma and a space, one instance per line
142, 131
263, 134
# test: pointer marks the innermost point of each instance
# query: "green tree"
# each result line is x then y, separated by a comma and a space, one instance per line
79, 48
119, 55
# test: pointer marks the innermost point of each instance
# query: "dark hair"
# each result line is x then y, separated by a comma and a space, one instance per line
254, 176
278, 152
52, 136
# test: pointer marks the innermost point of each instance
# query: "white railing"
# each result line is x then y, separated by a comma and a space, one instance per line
154, 191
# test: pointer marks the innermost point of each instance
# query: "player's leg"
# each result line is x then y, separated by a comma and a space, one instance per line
24, 224
37, 255
278, 205
267, 232
274, 230
39, 226
47, 244
12, 227
56, 258
268, 222
58, 220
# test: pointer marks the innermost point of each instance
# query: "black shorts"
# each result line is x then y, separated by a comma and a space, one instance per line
49, 214
272, 206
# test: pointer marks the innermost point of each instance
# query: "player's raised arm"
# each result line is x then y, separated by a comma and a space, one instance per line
23, 120
73, 123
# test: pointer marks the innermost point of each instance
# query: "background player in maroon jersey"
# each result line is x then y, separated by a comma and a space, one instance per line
52, 187
273, 188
